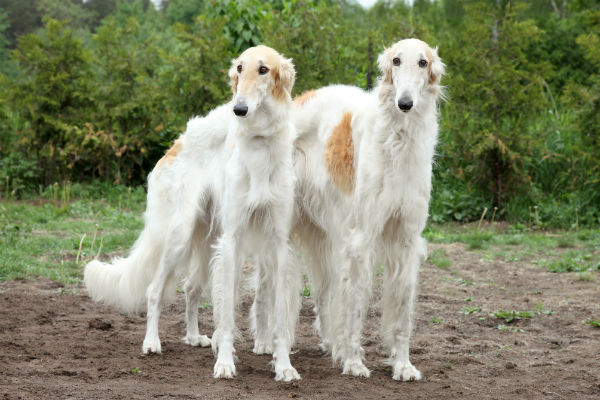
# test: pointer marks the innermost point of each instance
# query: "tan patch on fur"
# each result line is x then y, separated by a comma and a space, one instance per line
305, 97
279, 92
429, 54
171, 154
339, 154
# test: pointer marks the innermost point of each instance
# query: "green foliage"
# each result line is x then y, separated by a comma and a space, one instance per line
243, 19
52, 94
512, 315
574, 261
493, 134
104, 91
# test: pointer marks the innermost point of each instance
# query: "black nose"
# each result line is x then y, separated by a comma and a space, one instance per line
240, 110
405, 104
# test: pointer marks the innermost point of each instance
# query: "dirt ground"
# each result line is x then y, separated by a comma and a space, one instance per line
56, 343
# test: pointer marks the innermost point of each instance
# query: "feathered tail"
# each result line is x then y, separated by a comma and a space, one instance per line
123, 283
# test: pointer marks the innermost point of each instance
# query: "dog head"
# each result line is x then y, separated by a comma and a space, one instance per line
412, 68
258, 76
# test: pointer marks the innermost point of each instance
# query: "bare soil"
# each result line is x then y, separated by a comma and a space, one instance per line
56, 343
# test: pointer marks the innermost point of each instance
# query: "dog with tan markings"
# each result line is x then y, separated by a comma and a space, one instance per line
363, 165
228, 184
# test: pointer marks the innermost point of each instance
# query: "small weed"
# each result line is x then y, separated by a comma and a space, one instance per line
510, 316
439, 258
379, 270
593, 322
539, 309
134, 370
565, 242
306, 291
436, 320
465, 282
468, 298
179, 289
504, 328
470, 310
205, 305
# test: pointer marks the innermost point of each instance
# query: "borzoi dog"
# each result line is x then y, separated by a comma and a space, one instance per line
229, 174
363, 165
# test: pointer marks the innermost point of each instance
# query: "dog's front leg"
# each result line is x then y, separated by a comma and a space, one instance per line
261, 314
284, 313
400, 285
223, 337
350, 304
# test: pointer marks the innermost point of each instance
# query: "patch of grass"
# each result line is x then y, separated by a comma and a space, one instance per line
574, 261
469, 310
593, 322
436, 320
42, 237
478, 239
306, 291
512, 315
539, 309
439, 258
205, 305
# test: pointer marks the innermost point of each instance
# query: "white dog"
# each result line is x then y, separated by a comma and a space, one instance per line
226, 174
363, 165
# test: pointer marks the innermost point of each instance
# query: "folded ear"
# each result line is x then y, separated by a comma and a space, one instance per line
233, 75
384, 62
436, 67
284, 76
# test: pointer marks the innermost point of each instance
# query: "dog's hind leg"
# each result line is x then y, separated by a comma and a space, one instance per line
197, 280
177, 252
399, 292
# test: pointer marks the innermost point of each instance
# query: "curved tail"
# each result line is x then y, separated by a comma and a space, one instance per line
123, 283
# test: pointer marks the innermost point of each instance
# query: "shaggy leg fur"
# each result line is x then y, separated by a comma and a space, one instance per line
177, 252
193, 288
261, 313
351, 302
399, 292
224, 303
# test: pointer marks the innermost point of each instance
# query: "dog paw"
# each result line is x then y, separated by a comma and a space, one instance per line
151, 346
261, 347
224, 370
356, 368
406, 372
197, 340
286, 374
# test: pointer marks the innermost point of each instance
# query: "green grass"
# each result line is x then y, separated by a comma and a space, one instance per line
439, 258
41, 237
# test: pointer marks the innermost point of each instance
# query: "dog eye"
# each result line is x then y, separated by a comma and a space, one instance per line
396, 61
239, 68
263, 70
423, 63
